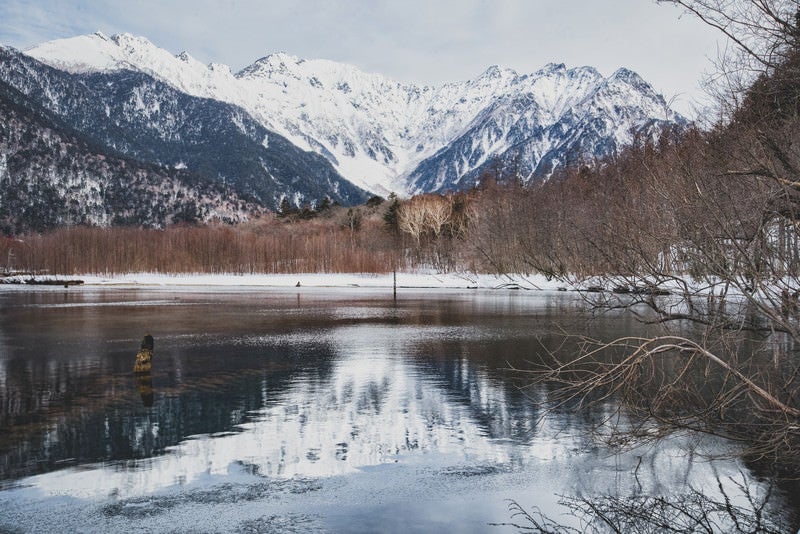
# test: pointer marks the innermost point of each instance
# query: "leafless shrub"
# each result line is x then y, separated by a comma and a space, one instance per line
687, 513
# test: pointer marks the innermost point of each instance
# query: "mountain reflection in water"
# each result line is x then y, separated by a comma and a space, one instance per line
303, 386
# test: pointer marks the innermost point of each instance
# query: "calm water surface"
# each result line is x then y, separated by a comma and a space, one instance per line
301, 411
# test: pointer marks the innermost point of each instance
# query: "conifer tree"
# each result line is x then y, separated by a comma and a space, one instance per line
390, 217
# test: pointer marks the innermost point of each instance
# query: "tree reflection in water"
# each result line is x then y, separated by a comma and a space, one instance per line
144, 383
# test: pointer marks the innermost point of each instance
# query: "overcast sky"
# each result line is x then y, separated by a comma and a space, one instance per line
422, 41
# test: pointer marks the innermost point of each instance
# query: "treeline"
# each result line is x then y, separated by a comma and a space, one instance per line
667, 206
266, 246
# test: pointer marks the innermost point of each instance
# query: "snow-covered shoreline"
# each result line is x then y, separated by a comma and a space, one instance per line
417, 280
423, 280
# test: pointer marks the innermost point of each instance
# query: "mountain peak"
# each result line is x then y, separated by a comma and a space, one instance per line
553, 67
131, 41
282, 57
627, 75
495, 72
99, 52
632, 79
278, 62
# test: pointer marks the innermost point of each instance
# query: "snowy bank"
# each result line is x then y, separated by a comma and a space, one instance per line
416, 280
405, 280
322, 280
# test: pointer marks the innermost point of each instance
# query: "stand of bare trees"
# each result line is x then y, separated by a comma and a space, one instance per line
710, 217
266, 246
437, 226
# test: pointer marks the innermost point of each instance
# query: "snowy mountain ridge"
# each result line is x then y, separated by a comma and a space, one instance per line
383, 135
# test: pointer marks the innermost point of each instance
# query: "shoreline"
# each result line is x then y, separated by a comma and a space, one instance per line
418, 280
405, 280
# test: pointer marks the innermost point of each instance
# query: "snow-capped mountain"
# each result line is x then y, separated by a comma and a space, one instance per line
384, 135
131, 113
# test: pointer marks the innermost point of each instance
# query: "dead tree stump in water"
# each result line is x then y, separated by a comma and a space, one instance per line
142, 367
144, 356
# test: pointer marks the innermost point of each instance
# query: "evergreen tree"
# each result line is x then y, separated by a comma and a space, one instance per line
324, 205
286, 208
390, 217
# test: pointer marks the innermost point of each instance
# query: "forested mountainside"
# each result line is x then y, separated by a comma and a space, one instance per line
51, 176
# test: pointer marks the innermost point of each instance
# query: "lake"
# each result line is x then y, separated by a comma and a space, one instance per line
312, 410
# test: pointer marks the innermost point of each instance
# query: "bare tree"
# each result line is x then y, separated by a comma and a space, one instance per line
762, 30
759, 36
411, 219
697, 234
438, 213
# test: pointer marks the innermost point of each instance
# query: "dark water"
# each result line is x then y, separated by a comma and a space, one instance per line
307, 410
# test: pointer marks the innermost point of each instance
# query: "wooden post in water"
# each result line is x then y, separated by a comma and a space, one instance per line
394, 283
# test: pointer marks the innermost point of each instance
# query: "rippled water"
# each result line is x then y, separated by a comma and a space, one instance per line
303, 410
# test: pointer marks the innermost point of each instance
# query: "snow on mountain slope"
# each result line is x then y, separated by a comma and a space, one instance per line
553, 117
131, 113
383, 135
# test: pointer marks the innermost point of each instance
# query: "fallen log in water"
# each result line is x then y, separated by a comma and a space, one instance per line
51, 282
